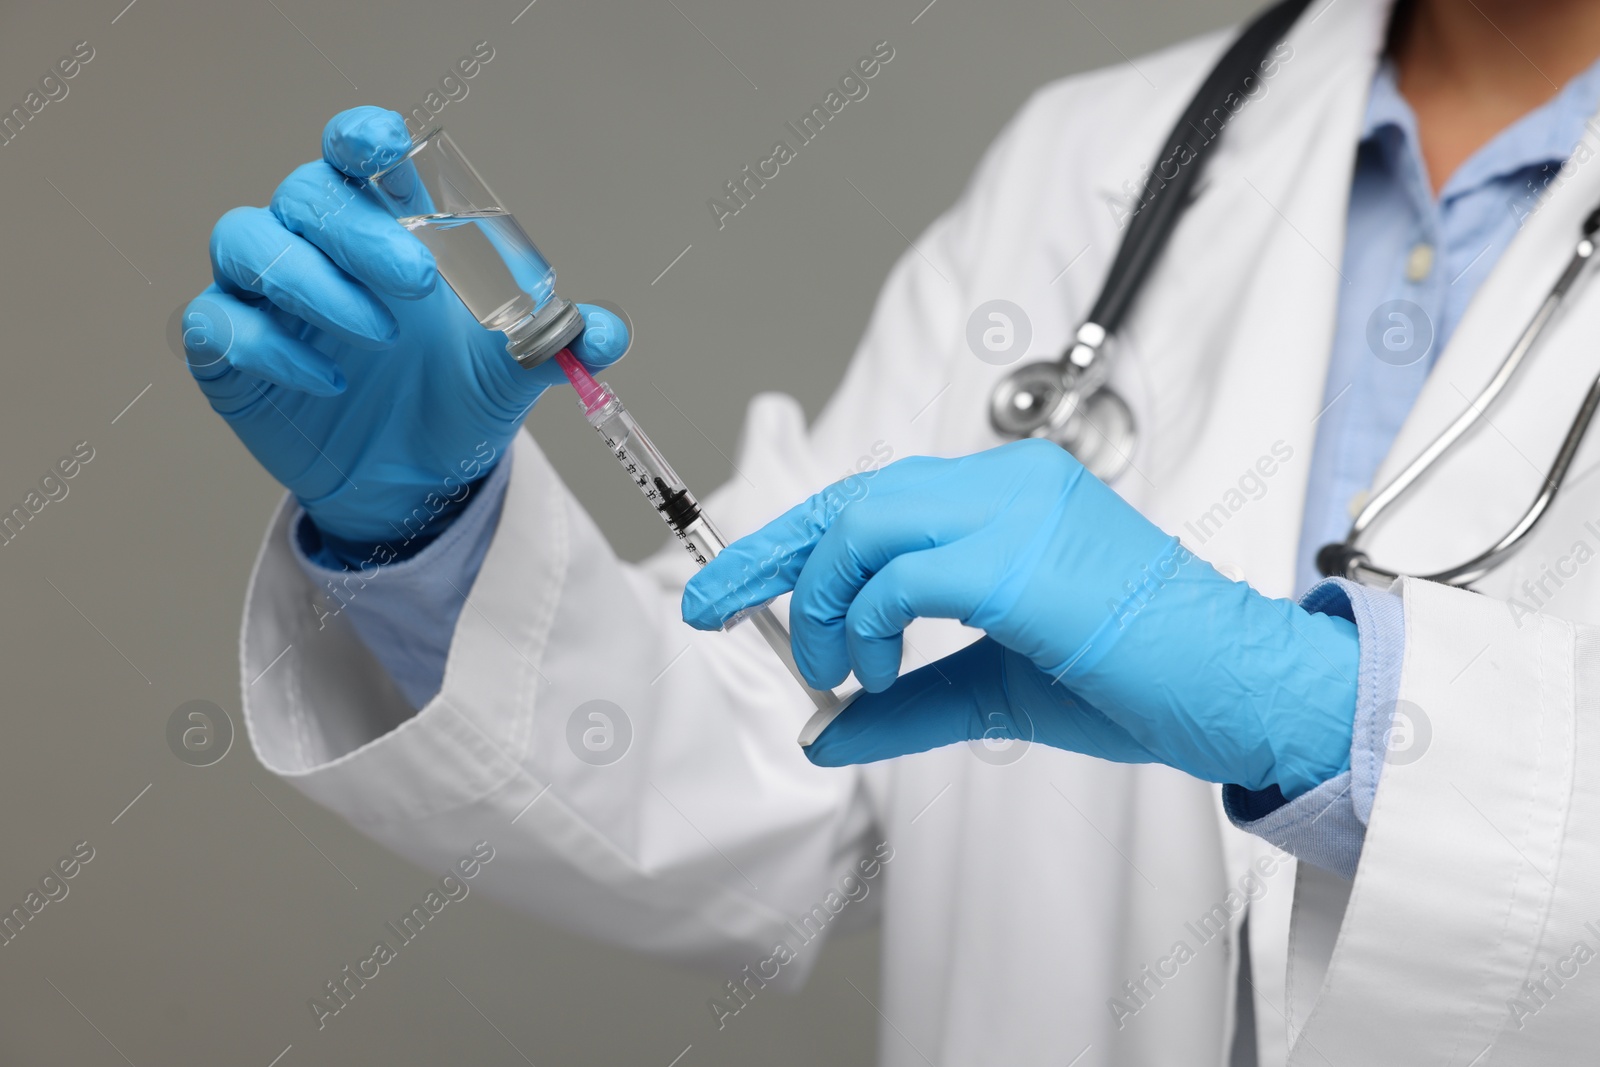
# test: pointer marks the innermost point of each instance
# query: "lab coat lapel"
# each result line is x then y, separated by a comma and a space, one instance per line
1472, 497
1480, 489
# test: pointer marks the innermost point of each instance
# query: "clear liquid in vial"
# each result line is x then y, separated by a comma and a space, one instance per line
489, 261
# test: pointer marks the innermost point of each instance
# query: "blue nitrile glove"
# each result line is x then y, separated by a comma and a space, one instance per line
344, 362
1105, 636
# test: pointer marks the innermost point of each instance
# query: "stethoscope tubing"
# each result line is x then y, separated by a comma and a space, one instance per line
1053, 399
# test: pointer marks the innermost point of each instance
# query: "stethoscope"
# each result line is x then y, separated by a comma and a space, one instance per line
1068, 400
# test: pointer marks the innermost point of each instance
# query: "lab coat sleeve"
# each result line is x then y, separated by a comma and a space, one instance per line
1473, 920
1326, 826
705, 832
711, 830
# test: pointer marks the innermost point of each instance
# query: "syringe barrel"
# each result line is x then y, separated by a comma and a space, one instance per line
667, 493
653, 475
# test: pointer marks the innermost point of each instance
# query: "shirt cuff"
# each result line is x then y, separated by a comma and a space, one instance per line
1319, 827
1326, 827
405, 610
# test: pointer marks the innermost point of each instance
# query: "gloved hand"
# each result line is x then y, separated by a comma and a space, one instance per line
343, 361
1104, 635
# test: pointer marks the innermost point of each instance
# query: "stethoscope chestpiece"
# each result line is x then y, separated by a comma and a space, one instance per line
1059, 402
1031, 399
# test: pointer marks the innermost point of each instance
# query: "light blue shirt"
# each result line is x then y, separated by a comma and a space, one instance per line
1411, 264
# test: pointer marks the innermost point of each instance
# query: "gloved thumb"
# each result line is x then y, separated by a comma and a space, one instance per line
958, 698
604, 340
986, 694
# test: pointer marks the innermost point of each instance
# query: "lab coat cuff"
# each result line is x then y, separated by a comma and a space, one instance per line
405, 610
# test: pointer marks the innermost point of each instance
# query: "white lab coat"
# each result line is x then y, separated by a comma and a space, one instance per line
1021, 898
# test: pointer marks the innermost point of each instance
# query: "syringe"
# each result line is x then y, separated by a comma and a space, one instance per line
672, 500
508, 285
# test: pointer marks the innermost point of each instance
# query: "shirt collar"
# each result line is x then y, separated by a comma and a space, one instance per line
1545, 135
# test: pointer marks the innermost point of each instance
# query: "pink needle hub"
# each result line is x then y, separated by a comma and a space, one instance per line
592, 393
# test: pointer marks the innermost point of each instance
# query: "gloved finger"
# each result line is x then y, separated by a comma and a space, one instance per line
934, 584
604, 339
332, 211
252, 253
757, 567
867, 537
364, 140
231, 347
767, 563
957, 698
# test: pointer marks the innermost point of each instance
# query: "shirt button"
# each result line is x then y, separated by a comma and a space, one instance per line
1420, 262
1358, 502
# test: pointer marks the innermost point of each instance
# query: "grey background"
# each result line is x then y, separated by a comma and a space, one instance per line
207, 918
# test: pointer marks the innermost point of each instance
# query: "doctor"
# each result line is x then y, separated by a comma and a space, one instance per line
1429, 753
